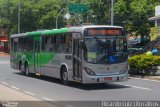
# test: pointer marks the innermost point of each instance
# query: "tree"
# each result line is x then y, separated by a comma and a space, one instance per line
41, 14
135, 14
35, 14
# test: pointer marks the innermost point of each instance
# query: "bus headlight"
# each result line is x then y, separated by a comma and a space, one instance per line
124, 69
89, 71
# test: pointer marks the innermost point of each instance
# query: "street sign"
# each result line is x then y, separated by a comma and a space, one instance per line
77, 8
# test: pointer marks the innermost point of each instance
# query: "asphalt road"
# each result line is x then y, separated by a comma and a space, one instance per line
50, 89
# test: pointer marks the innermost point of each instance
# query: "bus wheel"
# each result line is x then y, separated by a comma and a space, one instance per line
27, 70
64, 76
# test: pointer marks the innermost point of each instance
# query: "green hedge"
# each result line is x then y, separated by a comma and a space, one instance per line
143, 64
143, 61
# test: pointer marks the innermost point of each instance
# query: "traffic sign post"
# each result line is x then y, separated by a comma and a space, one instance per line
77, 8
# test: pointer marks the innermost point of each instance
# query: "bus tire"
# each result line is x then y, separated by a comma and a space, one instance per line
27, 73
64, 76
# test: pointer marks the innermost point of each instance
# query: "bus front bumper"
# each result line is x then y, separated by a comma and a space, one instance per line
104, 79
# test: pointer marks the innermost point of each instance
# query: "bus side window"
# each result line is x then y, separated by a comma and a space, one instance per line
43, 43
21, 44
11, 45
68, 43
54, 43
29, 44
15, 47
48, 44
59, 43
63, 45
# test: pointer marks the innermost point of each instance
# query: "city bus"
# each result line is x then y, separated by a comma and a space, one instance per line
83, 54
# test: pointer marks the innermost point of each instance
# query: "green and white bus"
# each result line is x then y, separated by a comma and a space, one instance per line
84, 54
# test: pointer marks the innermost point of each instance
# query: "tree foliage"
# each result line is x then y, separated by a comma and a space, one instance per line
41, 14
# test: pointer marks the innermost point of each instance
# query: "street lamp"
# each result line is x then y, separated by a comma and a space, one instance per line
67, 16
58, 16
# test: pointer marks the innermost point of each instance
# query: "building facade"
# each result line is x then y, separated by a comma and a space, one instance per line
3, 42
156, 18
155, 31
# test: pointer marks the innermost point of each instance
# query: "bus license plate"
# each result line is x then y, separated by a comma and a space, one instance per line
108, 78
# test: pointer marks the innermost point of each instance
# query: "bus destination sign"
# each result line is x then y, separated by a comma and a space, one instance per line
103, 32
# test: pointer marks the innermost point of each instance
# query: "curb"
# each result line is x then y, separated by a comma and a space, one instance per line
146, 77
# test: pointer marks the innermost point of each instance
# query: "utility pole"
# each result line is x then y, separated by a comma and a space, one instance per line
112, 12
19, 16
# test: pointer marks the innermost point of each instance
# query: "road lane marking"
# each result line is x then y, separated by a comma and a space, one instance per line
138, 87
144, 79
69, 106
48, 99
4, 83
29, 93
15, 87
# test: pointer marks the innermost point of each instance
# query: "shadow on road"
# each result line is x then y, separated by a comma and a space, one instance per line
100, 86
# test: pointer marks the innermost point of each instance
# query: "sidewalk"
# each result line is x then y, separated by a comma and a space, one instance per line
4, 54
13, 97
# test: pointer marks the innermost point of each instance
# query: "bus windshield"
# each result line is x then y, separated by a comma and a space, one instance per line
105, 50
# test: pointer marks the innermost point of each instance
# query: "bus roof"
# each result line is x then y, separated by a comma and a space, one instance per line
81, 28
55, 31
88, 26
62, 30
18, 35
34, 33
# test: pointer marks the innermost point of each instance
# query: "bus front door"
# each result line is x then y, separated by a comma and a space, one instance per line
37, 57
77, 60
